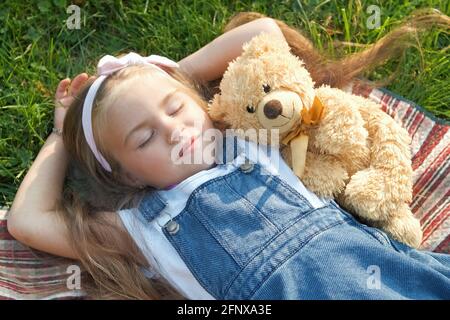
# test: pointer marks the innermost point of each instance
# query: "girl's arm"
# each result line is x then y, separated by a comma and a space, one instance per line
32, 218
210, 62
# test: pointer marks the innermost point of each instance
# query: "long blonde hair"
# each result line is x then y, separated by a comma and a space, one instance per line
109, 255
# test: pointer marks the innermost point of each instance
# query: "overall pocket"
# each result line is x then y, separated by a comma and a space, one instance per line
235, 223
277, 201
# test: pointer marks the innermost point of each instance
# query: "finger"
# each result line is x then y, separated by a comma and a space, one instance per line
77, 83
62, 88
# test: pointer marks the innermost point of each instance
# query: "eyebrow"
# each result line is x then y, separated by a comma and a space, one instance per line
143, 123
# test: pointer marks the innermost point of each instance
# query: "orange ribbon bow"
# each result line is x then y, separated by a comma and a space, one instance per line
298, 141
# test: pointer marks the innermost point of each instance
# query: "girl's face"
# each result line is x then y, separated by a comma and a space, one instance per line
152, 117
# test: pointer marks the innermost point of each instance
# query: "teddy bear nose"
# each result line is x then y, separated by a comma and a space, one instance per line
273, 109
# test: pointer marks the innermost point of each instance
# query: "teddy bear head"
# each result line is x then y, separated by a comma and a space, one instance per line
266, 87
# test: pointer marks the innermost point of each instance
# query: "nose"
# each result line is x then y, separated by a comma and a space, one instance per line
172, 131
273, 109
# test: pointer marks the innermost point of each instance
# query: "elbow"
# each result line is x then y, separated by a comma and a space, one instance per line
269, 25
11, 223
16, 228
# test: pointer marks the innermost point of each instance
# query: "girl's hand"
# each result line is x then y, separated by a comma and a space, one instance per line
65, 94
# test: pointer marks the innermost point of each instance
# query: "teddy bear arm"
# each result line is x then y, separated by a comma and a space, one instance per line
341, 131
324, 175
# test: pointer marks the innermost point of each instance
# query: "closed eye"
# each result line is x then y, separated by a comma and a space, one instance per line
177, 110
146, 141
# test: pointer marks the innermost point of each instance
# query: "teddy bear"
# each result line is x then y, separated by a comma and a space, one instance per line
340, 145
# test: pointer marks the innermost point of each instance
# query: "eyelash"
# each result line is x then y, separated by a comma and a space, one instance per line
146, 141
178, 109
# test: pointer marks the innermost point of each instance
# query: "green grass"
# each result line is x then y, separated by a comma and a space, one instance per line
37, 50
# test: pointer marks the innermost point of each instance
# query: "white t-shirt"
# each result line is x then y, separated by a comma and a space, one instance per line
158, 250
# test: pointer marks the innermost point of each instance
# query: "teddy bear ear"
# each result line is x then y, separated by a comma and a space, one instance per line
264, 43
215, 110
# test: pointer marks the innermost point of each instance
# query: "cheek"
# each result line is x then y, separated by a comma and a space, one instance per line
155, 165
196, 114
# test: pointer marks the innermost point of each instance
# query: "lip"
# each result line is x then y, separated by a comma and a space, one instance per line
188, 146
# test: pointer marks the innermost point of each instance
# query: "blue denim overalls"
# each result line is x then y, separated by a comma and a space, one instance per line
248, 234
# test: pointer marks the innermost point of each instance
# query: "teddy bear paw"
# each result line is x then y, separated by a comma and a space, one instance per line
364, 194
324, 175
405, 228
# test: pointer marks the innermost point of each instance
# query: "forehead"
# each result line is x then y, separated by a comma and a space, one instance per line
130, 96
132, 100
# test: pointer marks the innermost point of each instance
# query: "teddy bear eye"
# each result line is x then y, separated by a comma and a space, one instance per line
266, 88
251, 109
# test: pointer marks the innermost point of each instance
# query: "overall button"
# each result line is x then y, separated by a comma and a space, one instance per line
247, 166
172, 227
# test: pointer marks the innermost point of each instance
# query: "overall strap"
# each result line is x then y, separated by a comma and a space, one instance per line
151, 205
229, 149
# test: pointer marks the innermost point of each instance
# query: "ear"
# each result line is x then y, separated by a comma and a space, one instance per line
215, 110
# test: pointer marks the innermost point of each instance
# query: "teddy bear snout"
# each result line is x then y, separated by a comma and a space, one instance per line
272, 109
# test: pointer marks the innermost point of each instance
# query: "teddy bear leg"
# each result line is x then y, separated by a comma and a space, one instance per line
324, 175
378, 196
374, 193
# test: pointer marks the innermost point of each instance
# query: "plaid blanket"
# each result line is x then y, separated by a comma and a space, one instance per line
29, 274
26, 273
